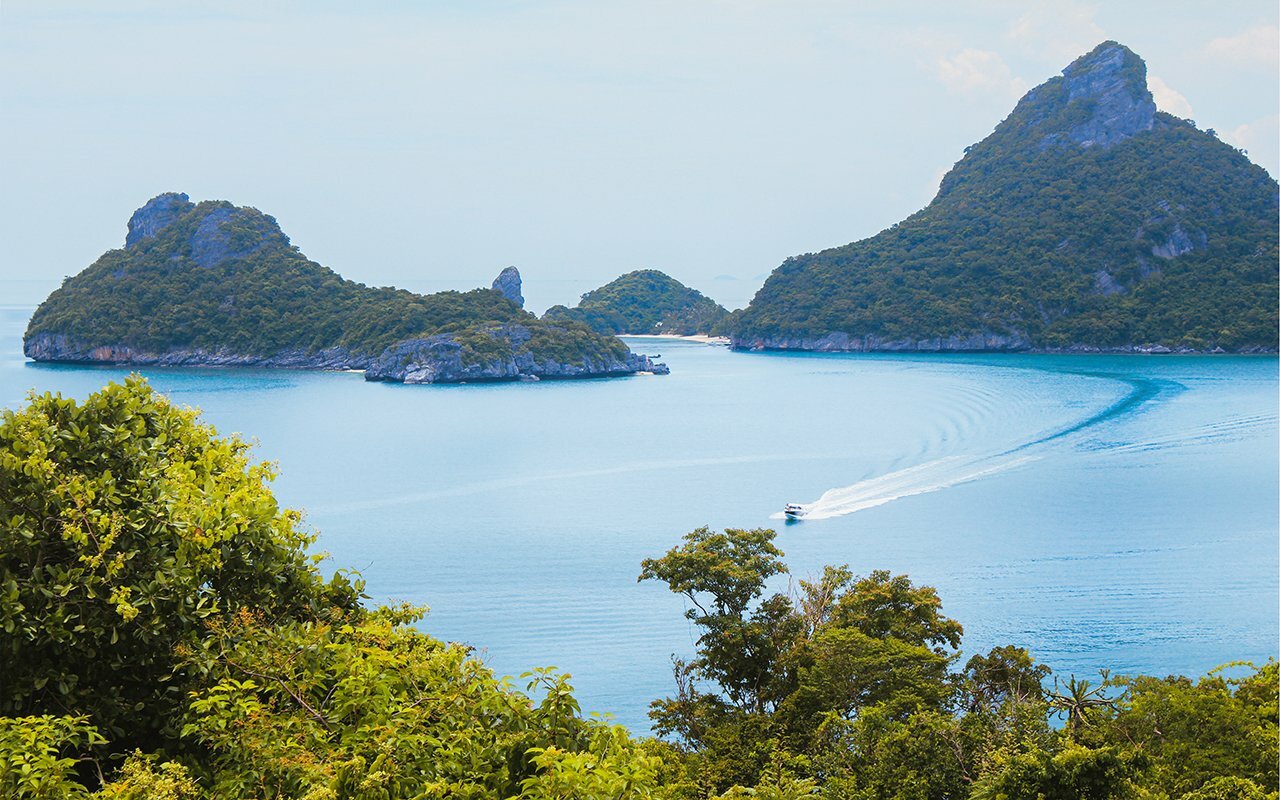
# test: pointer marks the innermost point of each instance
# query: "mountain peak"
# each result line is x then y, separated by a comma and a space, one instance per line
1101, 99
156, 215
1107, 63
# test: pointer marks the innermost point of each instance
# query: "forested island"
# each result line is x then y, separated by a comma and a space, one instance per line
212, 284
168, 635
1087, 221
644, 302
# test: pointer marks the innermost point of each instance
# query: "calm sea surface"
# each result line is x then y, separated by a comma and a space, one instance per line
1102, 511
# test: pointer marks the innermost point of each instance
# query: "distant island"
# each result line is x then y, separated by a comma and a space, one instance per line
644, 302
1087, 221
212, 284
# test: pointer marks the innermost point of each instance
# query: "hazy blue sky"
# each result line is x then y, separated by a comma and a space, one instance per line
427, 145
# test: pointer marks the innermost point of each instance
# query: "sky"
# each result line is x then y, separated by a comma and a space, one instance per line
428, 145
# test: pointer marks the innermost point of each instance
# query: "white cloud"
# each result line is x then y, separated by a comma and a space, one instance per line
1258, 46
973, 70
1062, 31
1169, 99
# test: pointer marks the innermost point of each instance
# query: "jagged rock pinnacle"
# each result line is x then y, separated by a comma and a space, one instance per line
508, 282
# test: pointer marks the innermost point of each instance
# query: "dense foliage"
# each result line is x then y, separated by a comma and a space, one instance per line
853, 688
124, 528
1049, 243
165, 631
221, 278
644, 302
166, 636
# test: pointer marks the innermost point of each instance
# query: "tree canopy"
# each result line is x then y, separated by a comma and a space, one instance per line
168, 635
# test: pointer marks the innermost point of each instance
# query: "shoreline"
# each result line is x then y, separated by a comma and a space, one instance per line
704, 339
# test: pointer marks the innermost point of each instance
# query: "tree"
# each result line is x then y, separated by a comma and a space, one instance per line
1004, 675
166, 633
885, 606
1075, 773
790, 666
125, 526
1196, 730
722, 574
1078, 700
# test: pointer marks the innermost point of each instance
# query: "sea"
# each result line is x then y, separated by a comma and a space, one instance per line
1105, 512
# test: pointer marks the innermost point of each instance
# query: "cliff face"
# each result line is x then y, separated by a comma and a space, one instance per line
212, 284
1110, 86
1087, 221
159, 213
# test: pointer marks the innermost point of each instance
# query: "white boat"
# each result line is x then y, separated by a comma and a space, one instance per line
793, 510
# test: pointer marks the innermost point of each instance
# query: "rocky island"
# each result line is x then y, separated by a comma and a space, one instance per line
1087, 221
645, 301
212, 284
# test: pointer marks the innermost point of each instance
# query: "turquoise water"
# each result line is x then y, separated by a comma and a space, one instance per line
1102, 511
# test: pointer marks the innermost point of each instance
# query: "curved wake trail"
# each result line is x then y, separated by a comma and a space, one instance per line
931, 476
943, 473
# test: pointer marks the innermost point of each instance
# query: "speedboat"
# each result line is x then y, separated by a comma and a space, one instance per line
793, 510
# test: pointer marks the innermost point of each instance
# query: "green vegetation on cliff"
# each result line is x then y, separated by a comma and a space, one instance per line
1087, 218
165, 635
645, 301
215, 278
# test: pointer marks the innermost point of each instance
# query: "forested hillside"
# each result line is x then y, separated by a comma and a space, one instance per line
645, 301
1086, 220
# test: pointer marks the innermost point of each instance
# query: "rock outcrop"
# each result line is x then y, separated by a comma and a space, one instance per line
228, 232
976, 343
844, 343
508, 283
1112, 81
59, 347
158, 214
443, 358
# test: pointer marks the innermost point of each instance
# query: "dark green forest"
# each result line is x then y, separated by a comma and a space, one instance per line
168, 635
260, 296
645, 302
1167, 236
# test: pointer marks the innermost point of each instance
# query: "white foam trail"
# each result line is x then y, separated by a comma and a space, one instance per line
931, 476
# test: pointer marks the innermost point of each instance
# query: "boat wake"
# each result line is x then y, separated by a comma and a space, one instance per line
932, 476
943, 473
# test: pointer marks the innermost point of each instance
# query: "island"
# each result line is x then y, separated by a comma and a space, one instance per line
213, 284
1087, 221
644, 302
